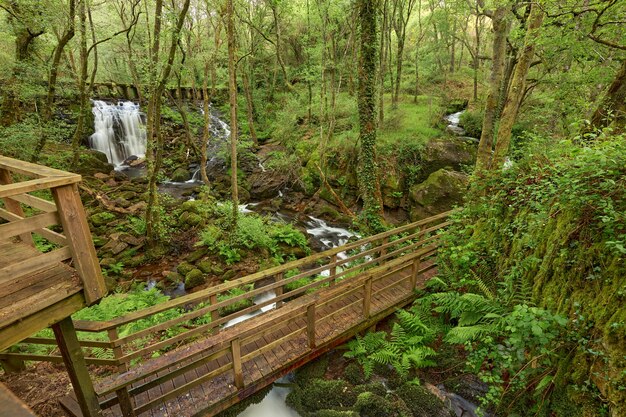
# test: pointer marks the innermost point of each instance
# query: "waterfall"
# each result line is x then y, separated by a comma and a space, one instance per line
119, 130
219, 134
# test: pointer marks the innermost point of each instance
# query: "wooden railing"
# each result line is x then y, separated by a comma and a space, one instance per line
201, 315
17, 180
239, 345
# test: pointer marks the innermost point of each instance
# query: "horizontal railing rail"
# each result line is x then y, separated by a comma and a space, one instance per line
210, 310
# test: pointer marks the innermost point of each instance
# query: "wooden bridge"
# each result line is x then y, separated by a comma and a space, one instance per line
202, 352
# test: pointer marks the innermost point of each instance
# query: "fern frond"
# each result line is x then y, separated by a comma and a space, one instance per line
463, 334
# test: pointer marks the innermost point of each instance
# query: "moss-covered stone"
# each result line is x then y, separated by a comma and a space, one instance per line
102, 218
205, 266
196, 255
194, 278
321, 394
369, 404
422, 402
354, 374
192, 219
181, 175
440, 192
184, 267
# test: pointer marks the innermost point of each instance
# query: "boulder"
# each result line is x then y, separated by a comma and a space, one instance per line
92, 162
181, 175
449, 153
194, 278
183, 268
440, 192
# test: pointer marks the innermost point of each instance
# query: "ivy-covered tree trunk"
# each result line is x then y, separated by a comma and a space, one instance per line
367, 170
518, 86
500, 31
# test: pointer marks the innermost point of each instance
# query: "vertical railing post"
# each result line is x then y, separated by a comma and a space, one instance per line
235, 346
125, 401
367, 297
383, 249
310, 325
333, 270
14, 206
76, 230
279, 290
215, 315
415, 268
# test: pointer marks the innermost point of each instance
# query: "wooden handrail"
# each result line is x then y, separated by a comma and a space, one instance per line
99, 326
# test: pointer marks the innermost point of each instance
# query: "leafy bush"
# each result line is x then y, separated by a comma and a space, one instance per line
472, 123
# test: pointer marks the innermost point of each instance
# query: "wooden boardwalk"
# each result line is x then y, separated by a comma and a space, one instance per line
209, 375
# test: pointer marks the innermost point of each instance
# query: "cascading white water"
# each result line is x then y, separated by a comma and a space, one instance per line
220, 130
120, 130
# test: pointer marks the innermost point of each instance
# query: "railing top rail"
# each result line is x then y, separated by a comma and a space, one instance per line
99, 326
33, 170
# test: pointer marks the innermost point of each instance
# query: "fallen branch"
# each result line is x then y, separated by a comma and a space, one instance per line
345, 210
106, 202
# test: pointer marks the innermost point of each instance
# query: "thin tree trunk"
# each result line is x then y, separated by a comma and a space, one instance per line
383, 62
206, 132
249, 106
80, 123
500, 29
232, 93
518, 86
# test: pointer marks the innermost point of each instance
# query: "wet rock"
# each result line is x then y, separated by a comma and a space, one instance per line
194, 278
118, 175
173, 277
139, 180
455, 130
110, 283
470, 140
101, 176
181, 175
440, 192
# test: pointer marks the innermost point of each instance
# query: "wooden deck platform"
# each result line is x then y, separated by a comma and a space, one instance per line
12, 406
198, 380
21, 297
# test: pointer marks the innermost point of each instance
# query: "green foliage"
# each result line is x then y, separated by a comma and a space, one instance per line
237, 305
253, 233
405, 349
472, 123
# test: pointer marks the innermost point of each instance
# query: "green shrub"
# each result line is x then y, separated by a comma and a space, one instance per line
472, 123
237, 305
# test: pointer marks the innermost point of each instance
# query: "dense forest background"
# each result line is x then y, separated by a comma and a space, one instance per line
344, 100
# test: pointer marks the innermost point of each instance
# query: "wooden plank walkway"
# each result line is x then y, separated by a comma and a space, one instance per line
201, 379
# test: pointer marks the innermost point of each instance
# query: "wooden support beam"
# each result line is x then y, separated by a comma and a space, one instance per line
215, 315
235, 346
77, 369
77, 232
415, 268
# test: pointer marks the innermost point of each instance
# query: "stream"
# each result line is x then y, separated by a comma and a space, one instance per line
120, 134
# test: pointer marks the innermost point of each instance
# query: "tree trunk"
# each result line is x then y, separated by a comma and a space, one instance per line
249, 106
52, 79
613, 104
367, 167
206, 132
383, 62
500, 30
232, 94
82, 81
518, 84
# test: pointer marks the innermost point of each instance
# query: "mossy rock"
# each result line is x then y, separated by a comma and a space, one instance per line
354, 374
440, 192
192, 219
449, 153
228, 275
184, 267
101, 219
374, 387
422, 402
192, 206
324, 394
173, 277
369, 404
336, 413
205, 266
92, 162
196, 255
194, 278
181, 175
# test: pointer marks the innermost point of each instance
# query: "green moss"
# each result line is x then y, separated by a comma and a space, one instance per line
194, 278
372, 405
354, 374
421, 402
